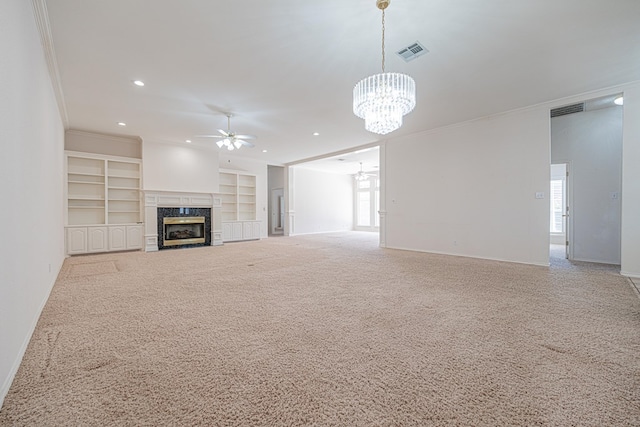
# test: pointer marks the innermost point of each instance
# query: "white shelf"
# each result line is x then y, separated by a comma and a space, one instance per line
86, 182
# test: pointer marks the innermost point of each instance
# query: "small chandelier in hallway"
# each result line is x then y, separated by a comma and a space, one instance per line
383, 99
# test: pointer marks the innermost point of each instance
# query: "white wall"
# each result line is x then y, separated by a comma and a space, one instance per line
592, 142
322, 202
110, 145
31, 172
630, 243
179, 167
470, 189
259, 169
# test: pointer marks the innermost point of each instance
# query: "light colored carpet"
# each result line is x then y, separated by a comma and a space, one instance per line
329, 330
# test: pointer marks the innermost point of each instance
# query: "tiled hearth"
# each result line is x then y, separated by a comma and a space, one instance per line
161, 204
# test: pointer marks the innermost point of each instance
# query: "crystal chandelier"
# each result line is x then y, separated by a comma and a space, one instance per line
382, 99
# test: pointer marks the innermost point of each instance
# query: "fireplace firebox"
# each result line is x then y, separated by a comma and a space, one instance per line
183, 230
184, 227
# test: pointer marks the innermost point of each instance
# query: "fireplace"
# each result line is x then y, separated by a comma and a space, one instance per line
183, 230
183, 227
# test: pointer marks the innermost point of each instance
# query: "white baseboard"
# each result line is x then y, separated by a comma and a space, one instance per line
6, 385
539, 264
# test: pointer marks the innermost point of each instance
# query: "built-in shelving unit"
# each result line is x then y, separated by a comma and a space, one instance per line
123, 189
86, 191
238, 193
229, 193
246, 197
102, 203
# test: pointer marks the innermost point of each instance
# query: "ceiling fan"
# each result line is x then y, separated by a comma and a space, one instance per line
361, 175
229, 139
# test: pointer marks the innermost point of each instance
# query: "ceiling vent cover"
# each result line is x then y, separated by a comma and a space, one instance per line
568, 109
412, 51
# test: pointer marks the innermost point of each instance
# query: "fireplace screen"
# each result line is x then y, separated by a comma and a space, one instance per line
183, 230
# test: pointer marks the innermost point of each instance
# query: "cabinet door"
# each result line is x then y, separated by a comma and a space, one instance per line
256, 230
247, 230
227, 231
97, 239
134, 237
237, 231
117, 238
76, 240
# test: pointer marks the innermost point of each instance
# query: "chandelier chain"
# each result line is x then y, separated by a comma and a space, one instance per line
383, 40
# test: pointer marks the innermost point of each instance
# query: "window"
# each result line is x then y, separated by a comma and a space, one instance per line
367, 204
557, 204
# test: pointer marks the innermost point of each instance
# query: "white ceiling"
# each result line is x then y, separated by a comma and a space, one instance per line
286, 68
348, 163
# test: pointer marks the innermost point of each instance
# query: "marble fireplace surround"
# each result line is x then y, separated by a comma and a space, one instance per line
174, 199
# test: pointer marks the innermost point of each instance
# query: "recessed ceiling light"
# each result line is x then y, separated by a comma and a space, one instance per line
619, 100
138, 82
122, 124
188, 141
264, 151
316, 134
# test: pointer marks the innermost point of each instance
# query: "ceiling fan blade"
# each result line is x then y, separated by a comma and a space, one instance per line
246, 136
245, 143
225, 133
209, 136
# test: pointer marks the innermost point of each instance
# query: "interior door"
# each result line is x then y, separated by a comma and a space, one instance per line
277, 211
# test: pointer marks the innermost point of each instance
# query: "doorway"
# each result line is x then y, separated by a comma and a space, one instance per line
559, 210
277, 211
367, 203
587, 138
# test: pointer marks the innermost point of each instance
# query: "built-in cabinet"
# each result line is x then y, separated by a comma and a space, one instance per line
238, 193
103, 203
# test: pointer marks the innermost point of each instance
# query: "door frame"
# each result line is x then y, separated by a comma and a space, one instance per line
277, 206
567, 216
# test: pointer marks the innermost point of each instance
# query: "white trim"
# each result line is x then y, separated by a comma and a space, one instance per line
23, 348
630, 275
44, 28
470, 256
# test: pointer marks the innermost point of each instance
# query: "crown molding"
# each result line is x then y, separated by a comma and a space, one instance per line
42, 22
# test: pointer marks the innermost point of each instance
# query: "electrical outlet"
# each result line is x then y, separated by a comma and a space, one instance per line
540, 195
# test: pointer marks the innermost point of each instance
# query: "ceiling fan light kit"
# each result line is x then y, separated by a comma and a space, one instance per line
383, 99
361, 175
230, 140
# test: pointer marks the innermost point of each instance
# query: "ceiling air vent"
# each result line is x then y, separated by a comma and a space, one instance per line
411, 52
567, 109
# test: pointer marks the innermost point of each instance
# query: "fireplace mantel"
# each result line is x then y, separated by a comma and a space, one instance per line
174, 199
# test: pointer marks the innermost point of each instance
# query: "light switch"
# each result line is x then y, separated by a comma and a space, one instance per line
540, 195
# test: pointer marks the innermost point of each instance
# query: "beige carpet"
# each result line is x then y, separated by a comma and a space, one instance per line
329, 330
